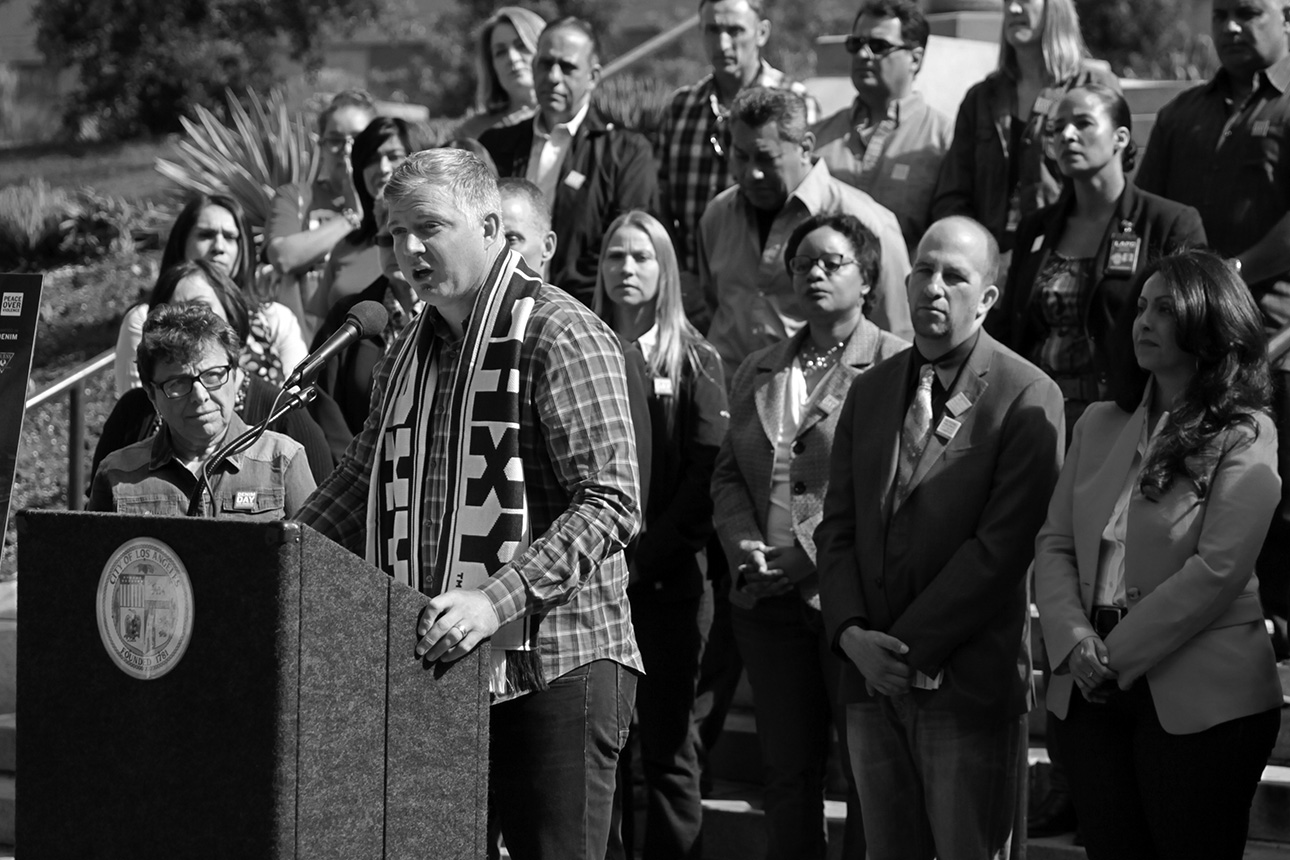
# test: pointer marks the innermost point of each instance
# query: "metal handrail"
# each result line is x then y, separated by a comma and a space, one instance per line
72, 384
84, 371
649, 46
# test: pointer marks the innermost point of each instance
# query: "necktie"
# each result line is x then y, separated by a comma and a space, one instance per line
914, 435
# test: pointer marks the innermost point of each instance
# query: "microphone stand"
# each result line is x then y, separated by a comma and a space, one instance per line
294, 399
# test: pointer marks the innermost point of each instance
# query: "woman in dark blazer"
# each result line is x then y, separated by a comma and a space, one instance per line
1163, 675
1077, 260
995, 170
638, 293
768, 488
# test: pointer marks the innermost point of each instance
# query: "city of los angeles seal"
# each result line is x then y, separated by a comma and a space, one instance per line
145, 608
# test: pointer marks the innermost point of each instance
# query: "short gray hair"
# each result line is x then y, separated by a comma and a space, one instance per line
462, 174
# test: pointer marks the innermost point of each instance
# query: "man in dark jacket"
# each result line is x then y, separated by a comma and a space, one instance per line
589, 172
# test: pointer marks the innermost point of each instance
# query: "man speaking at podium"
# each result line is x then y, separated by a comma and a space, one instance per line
497, 473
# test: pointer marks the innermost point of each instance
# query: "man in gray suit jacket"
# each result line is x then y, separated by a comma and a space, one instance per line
943, 463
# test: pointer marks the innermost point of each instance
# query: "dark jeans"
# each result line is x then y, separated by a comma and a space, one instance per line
1144, 794
721, 666
795, 677
933, 784
670, 633
553, 756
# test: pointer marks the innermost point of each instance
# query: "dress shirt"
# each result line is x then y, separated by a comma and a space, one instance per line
747, 284
268, 481
1228, 161
548, 152
690, 171
579, 454
779, 516
895, 160
1109, 587
947, 367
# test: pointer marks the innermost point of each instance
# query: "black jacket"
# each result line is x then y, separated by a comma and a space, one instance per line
1163, 227
608, 171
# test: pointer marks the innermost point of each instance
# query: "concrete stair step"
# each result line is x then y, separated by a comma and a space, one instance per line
733, 829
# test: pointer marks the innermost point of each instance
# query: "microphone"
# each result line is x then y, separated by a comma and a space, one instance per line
365, 319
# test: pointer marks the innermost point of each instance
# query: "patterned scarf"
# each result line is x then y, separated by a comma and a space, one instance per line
486, 517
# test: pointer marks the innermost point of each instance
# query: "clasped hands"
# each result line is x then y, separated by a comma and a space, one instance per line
1090, 666
769, 571
453, 623
880, 657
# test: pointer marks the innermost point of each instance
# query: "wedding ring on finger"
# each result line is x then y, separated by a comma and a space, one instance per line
460, 632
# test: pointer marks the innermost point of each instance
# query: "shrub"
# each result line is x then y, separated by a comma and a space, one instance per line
265, 147
34, 218
43, 226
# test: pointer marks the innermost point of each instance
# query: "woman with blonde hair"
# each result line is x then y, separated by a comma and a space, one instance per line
995, 170
638, 293
504, 49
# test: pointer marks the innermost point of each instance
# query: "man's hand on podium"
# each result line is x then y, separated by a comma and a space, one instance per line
454, 623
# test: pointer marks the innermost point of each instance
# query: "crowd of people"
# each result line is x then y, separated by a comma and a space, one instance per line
827, 399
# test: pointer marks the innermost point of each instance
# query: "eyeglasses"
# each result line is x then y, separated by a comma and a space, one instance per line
830, 263
336, 143
181, 386
878, 48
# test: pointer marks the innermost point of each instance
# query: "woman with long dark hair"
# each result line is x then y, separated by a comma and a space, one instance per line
214, 228
1164, 682
354, 263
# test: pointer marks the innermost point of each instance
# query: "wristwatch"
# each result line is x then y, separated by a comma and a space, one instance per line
354, 220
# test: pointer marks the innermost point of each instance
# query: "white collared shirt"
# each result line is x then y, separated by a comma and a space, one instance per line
549, 150
1108, 589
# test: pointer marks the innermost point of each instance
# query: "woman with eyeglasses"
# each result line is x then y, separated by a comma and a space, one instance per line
1076, 260
768, 492
355, 263
214, 227
1165, 688
995, 170
504, 49
310, 217
188, 362
134, 417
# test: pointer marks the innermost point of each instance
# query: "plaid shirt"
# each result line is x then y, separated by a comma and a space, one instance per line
690, 171
579, 455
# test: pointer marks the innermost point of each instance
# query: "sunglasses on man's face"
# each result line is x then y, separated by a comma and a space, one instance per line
877, 48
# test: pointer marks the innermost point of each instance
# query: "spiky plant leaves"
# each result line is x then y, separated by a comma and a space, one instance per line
262, 147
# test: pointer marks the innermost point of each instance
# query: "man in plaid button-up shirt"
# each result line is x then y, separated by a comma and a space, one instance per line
578, 452
694, 136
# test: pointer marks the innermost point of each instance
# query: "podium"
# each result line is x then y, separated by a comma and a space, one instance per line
289, 719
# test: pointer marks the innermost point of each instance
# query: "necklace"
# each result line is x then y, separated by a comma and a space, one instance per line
817, 360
